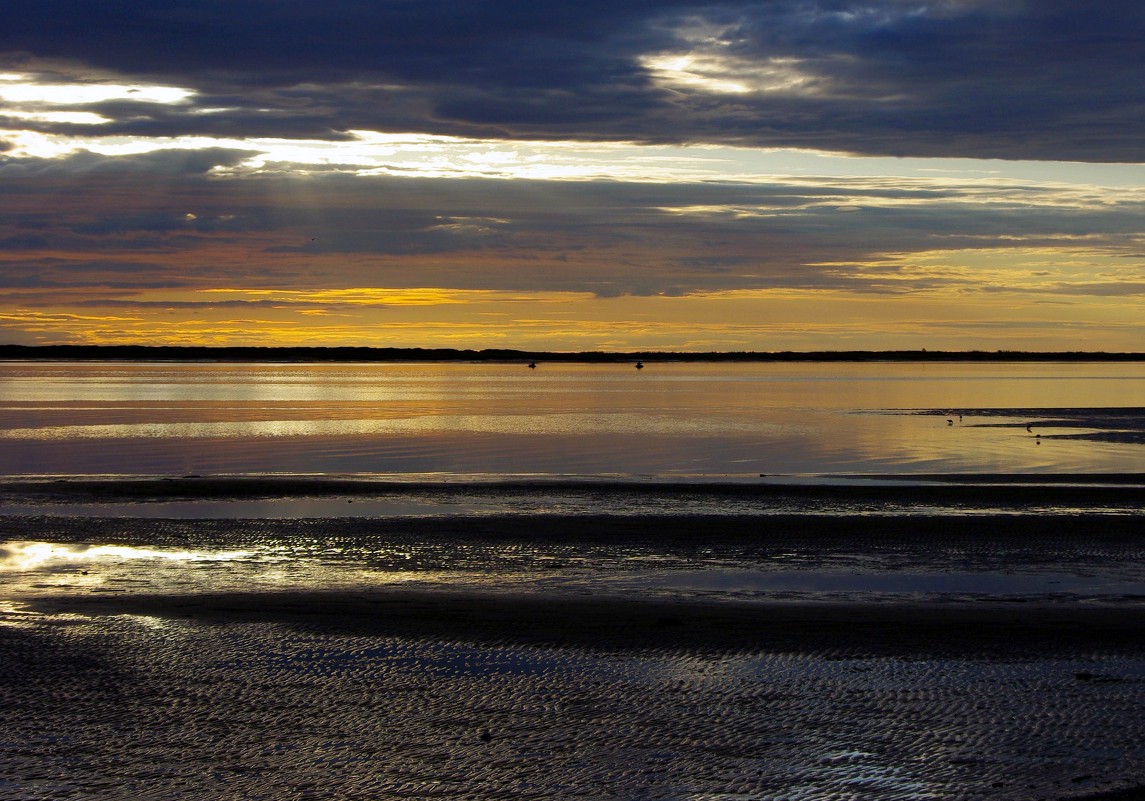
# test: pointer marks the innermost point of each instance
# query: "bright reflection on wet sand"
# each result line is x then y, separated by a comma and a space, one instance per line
35, 569
622, 656
33, 555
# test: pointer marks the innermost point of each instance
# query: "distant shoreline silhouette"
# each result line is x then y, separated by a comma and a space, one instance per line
372, 354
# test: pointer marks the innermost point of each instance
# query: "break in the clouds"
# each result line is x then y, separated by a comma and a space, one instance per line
1018, 79
83, 218
795, 173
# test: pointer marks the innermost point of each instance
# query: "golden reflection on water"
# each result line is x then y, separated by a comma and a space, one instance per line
562, 425
669, 419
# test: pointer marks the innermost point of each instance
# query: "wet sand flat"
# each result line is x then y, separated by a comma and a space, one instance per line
424, 696
554, 656
1014, 490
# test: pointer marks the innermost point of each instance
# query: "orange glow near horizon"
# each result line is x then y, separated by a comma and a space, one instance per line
568, 321
136, 240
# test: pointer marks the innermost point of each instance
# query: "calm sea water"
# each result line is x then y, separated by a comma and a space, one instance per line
666, 421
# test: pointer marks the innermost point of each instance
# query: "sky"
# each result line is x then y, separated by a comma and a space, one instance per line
673, 175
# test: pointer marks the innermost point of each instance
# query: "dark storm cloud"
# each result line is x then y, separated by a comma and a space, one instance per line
131, 118
1051, 79
158, 222
155, 163
77, 222
58, 274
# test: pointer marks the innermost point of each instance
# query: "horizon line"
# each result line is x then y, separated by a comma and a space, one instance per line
17, 352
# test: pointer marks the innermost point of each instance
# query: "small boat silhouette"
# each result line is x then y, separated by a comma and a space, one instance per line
639, 365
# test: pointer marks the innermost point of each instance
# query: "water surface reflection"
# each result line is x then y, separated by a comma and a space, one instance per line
667, 420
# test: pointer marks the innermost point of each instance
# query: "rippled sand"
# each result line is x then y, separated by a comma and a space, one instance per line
236, 700
552, 657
